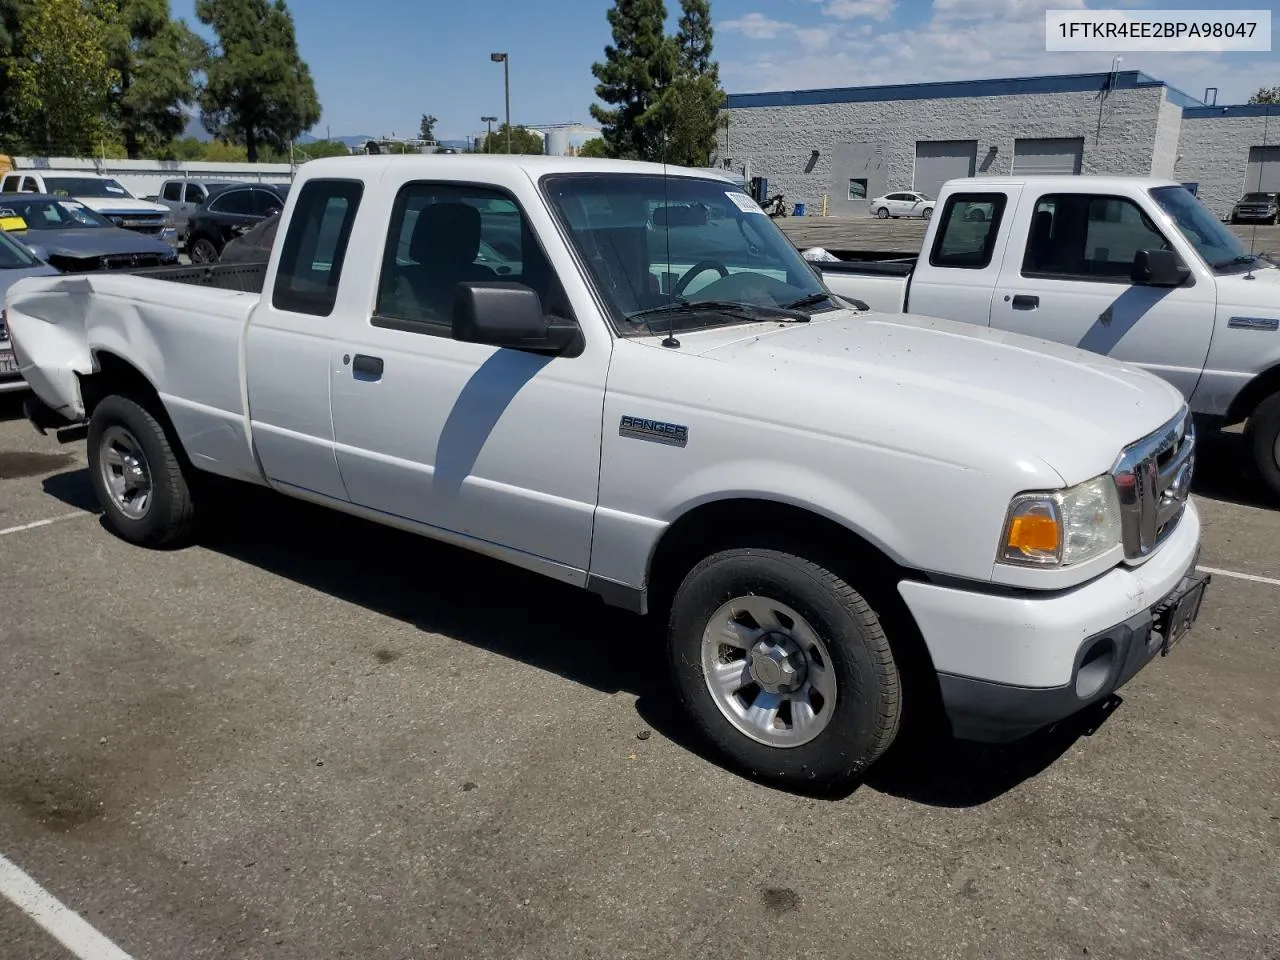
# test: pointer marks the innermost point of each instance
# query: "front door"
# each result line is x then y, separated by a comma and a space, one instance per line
497, 445
1071, 284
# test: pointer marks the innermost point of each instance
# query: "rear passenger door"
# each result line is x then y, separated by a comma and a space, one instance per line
290, 340
499, 447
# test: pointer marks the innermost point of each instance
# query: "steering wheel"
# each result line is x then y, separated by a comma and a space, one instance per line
696, 269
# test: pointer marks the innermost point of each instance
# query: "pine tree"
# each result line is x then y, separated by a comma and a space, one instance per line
258, 90
691, 103
155, 57
637, 67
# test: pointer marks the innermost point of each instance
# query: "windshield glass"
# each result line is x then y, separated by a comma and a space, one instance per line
1258, 198
13, 255
1215, 243
651, 241
52, 214
84, 187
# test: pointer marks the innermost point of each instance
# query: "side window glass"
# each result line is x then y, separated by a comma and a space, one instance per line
9, 185
30, 185
1088, 237
234, 201
172, 191
442, 235
264, 202
315, 247
966, 237
194, 193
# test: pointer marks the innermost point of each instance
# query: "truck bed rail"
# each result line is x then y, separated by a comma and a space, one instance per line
243, 277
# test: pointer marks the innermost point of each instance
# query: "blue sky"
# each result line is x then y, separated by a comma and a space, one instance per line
380, 65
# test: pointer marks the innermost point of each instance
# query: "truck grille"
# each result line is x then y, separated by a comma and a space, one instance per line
1153, 479
130, 261
139, 223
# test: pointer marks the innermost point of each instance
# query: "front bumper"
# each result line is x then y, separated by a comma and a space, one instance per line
1009, 664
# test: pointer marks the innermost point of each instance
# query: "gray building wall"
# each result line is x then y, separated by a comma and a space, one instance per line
1214, 152
1168, 130
879, 137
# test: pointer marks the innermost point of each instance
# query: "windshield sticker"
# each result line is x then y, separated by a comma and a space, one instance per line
112, 189
743, 202
72, 205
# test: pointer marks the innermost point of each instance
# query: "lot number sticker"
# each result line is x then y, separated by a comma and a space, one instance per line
743, 202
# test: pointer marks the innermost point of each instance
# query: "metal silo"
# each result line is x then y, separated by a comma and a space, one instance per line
556, 142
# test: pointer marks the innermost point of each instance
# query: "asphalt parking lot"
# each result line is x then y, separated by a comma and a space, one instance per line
311, 737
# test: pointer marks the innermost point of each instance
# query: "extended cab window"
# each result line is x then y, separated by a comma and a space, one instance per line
442, 235
315, 247
172, 190
195, 193
1088, 237
967, 231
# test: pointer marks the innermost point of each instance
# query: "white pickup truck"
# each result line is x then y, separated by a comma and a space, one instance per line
1134, 268
624, 377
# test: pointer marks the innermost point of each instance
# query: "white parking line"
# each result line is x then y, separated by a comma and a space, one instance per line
1251, 577
60, 922
22, 528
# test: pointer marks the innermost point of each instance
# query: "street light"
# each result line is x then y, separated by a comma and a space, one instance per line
503, 59
488, 137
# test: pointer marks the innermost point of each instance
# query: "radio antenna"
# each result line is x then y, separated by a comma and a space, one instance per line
670, 340
1262, 161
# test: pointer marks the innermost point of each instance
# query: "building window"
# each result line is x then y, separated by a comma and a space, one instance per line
858, 189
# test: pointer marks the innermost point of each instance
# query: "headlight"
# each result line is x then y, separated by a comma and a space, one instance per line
1062, 527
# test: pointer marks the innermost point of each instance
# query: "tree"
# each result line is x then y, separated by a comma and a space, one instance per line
13, 14
595, 147
427, 129
690, 105
258, 90
639, 63
154, 57
523, 140
1266, 95
62, 79
321, 148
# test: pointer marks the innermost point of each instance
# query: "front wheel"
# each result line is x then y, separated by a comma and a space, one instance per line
883, 213
928, 212
137, 475
1262, 438
784, 667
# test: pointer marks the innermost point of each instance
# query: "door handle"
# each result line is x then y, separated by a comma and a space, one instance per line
364, 367
1024, 301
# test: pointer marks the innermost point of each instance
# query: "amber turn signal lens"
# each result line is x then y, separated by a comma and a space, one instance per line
1034, 533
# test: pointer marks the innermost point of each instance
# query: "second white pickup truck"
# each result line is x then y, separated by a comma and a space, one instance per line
624, 377
1134, 268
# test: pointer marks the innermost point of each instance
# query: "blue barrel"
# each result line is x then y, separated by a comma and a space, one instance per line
799, 210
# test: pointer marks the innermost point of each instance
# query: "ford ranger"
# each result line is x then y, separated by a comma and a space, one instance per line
643, 390
1134, 268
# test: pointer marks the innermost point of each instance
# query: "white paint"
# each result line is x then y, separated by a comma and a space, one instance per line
59, 921
22, 528
1251, 577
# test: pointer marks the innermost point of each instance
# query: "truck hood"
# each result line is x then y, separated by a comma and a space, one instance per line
123, 205
1073, 409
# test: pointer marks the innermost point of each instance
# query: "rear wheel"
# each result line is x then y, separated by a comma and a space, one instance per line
140, 479
1262, 437
784, 667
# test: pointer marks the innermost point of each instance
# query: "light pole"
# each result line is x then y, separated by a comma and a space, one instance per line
503, 59
488, 137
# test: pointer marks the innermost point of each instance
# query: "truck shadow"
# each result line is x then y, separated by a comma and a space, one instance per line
537, 621
1224, 472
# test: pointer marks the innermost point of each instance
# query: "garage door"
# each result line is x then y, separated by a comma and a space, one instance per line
938, 161
1263, 173
1043, 156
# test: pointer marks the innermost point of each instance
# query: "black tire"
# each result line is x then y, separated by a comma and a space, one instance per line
868, 701
883, 213
203, 250
1261, 435
170, 517
928, 213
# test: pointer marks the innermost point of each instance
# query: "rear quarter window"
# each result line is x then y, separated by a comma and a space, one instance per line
967, 231
315, 247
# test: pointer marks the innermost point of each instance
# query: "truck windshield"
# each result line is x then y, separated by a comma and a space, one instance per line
1258, 198
683, 252
84, 187
1217, 246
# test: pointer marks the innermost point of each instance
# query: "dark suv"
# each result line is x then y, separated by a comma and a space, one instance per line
227, 214
1256, 208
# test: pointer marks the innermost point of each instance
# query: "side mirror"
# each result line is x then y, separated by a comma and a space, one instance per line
505, 314
1158, 268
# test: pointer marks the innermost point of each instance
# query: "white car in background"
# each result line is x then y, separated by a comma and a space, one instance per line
101, 194
905, 203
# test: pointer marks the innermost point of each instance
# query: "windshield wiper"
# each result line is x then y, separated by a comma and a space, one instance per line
1243, 258
730, 308
813, 299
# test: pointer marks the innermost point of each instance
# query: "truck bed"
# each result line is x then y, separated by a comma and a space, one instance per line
241, 277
